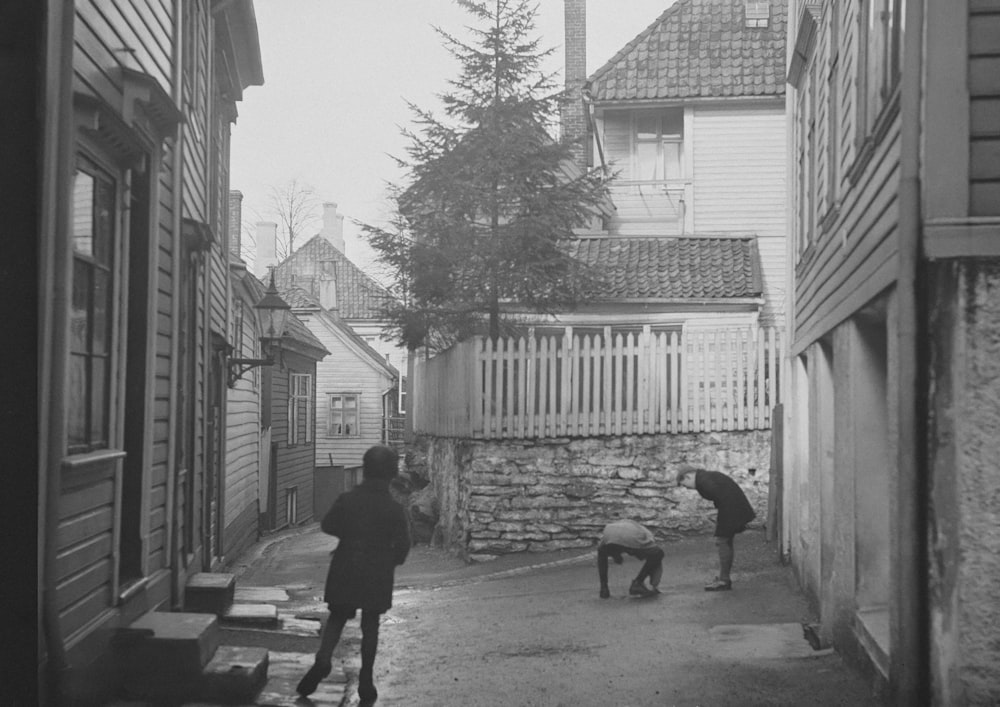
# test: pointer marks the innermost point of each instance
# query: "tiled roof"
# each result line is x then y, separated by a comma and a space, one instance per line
299, 298
358, 295
698, 49
300, 332
659, 268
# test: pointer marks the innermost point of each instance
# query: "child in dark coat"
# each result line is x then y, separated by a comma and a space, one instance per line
374, 538
735, 512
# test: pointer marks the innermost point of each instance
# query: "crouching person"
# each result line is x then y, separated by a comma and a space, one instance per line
374, 538
630, 538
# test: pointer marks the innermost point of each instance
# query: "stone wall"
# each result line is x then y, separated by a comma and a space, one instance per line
504, 496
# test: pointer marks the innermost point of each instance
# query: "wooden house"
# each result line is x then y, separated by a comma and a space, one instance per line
134, 286
684, 114
321, 268
891, 444
356, 393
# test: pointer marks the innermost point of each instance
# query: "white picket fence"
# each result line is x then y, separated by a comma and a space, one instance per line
593, 384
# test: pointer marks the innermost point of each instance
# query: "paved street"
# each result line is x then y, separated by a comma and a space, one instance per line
530, 630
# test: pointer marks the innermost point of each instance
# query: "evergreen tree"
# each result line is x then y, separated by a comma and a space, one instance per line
489, 192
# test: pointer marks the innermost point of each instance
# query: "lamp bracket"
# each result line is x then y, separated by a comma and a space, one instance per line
239, 366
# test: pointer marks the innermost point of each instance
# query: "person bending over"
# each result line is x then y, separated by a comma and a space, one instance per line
630, 538
734, 509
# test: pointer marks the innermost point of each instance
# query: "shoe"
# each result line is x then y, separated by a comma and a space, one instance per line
605, 593
640, 590
718, 586
310, 681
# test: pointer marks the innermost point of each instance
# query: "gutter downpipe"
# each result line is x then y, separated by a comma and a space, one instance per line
909, 663
57, 168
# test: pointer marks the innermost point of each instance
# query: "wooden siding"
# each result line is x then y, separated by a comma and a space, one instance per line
296, 463
345, 371
243, 424
86, 547
852, 253
740, 187
196, 108
984, 96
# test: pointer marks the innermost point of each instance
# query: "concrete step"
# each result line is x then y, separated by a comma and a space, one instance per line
235, 675
251, 615
163, 657
209, 592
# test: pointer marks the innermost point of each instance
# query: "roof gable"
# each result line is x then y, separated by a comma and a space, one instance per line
353, 342
671, 268
359, 296
698, 49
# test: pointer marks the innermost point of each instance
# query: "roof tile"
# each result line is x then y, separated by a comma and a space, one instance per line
695, 43
671, 267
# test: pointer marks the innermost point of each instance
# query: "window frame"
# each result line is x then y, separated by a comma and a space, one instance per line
296, 396
330, 414
89, 162
662, 138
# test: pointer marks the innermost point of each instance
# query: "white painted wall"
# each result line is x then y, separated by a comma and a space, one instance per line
739, 185
346, 370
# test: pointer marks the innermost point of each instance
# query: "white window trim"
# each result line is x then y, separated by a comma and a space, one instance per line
329, 412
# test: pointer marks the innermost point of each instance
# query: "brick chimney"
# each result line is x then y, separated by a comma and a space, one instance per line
235, 222
333, 226
573, 121
267, 247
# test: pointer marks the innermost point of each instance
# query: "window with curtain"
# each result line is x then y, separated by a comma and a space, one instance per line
344, 419
94, 234
659, 145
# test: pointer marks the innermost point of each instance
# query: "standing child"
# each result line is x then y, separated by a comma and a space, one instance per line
734, 509
374, 539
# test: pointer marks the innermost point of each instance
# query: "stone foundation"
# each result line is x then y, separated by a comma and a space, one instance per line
502, 496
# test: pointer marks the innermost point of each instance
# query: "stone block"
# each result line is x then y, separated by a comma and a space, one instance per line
235, 675
258, 615
209, 592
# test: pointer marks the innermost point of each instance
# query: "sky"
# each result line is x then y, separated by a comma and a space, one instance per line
337, 78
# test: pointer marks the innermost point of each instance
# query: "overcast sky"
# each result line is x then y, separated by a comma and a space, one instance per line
337, 75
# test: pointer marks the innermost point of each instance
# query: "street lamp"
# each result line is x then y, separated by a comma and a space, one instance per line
274, 313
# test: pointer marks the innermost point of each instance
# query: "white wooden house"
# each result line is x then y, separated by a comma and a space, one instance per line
690, 116
356, 388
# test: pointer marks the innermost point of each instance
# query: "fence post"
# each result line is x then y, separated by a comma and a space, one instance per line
608, 389
532, 372
565, 397
677, 399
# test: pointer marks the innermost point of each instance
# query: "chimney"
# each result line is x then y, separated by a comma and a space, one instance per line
235, 222
572, 117
267, 247
333, 226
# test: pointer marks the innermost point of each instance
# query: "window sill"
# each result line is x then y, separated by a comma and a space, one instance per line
85, 469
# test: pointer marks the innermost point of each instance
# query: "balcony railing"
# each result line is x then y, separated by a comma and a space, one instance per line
651, 205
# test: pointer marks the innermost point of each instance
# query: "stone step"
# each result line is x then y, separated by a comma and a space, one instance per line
235, 675
254, 615
163, 655
209, 592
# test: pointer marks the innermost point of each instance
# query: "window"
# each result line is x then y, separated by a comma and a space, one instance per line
344, 419
92, 309
882, 39
402, 396
300, 406
659, 145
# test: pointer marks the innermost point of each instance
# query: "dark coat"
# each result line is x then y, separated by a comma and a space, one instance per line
374, 538
735, 510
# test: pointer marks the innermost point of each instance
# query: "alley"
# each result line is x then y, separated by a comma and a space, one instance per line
531, 630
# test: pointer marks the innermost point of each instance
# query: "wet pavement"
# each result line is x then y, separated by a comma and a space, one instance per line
530, 630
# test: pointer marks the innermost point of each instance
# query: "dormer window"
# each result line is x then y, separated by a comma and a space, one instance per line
756, 14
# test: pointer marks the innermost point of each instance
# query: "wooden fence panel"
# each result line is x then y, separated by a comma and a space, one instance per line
601, 383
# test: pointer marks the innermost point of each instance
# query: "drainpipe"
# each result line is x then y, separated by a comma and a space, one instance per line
910, 662
57, 171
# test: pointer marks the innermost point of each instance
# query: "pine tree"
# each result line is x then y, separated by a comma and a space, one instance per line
489, 193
